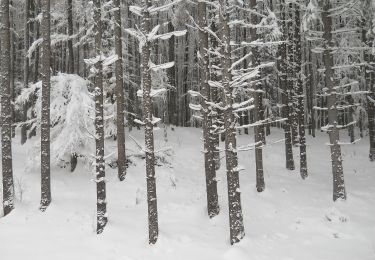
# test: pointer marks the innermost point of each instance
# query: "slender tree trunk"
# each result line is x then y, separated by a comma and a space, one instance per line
37, 35
121, 161
6, 110
101, 203
70, 33
333, 131
300, 95
258, 106
291, 77
285, 95
215, 93
45, 121
26, 70
172, 94
370, 80
12, 66
236, 226
149, 134
209, 147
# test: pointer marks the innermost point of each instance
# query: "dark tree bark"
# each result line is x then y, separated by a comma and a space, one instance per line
258, 106
121, 155
26, 70
6, 110
153, 228
45, 121
291, 76
209, 147
236, 226
300, 95
70, 33
369, 81
333, 131
172, 94
282, 67
101, 203
37, 35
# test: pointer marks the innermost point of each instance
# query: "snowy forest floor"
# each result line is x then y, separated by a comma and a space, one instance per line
291, 219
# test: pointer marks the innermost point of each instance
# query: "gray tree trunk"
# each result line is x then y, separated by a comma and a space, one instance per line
282, 67
258, 106
209, 145
236, 226
6, 110
45, 120
333, 131
101, 203
153, 228
70, 33
291, 76
370, 80
26, 70
121, 155
300, 95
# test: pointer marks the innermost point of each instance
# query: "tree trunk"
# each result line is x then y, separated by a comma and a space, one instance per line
258, 106
121, 155
209, 146
291, 77
45, 121
70, 41
99, 123
172, 94
333, 131
26, 70
370, 80
6, 110
236, 226
282, 67
300, 94
149, 134
37, 35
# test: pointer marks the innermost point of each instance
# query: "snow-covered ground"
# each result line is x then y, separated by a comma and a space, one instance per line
292, 219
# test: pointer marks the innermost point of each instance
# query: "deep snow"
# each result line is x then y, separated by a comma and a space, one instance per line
292, 219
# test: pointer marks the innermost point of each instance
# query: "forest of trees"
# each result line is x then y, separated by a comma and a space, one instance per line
76, 72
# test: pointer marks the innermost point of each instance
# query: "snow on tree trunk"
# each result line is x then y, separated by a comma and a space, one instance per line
45, 119
6, 110
258, 105
367, 39
236, 226
291, 77
208, 140
153, 228
282, 67
300, 95
172, 113
26, 69
333, 131
101, 203
121, 155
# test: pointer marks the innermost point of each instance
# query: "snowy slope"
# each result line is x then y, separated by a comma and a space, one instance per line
292, 219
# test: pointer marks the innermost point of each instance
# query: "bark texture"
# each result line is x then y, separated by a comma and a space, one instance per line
300, 94
121, 155
45, 120
153, 228
6, 110
282, 68
208, 139
101, 203
236, 226
258, 105
333, 131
